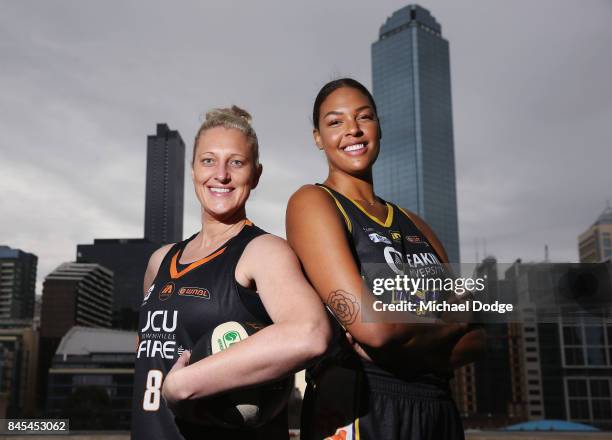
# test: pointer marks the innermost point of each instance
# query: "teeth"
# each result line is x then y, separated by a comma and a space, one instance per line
220, 190
354, 147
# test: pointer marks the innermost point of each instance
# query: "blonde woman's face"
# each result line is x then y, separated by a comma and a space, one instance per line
223, 171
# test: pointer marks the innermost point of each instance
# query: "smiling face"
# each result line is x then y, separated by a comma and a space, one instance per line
348, 131
223, 172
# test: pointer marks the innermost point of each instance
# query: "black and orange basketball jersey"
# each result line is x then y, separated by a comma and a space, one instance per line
183, 303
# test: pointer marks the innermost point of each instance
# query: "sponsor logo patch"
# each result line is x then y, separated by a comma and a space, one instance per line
197, 292
415, 239
396, 236
166, 292
377, 238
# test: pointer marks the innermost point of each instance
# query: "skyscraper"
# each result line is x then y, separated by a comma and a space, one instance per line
76, 294
17, 283
73, 294
595, 244
411, 85
165, 186
127, 258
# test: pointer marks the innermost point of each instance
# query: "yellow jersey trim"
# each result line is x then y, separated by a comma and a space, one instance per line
347, 220
388, 220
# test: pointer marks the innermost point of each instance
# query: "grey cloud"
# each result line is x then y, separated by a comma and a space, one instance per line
83, 83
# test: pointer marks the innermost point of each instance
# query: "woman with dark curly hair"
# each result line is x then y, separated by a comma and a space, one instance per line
384, 380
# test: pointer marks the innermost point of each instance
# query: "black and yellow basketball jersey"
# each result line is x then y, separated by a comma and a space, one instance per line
183, 303
351, 398
384, 249
391, 247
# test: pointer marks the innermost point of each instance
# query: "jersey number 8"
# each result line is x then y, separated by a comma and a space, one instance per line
152, 394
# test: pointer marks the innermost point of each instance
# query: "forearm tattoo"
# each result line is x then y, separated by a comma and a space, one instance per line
344, 306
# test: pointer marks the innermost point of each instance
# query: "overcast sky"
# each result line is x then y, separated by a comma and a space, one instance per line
83, 83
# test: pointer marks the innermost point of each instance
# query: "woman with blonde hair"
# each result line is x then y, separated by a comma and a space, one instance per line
230, 270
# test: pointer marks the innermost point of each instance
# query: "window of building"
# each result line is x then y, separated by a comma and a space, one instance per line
589, 399
587, 344
572, 335
579, 409
596, 356
594, 335
577, 388
602, 409
574, 356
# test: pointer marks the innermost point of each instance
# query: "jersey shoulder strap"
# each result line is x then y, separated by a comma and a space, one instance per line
347, 220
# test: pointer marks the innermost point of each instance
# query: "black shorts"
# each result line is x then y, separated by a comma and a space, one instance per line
347, 404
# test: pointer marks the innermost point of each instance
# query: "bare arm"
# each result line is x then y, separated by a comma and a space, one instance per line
153, 266
316, 232
300, 331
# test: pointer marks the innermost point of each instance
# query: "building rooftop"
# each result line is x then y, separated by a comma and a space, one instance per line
86, 340
404, 16
77, 271
551, 425
605, 218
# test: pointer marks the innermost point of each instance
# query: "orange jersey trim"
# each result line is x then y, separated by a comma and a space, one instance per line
174, 273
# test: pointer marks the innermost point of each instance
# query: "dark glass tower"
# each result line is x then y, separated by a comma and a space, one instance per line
165, 186
17, 283
411, 85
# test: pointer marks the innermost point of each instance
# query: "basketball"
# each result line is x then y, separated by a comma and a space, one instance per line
246, 407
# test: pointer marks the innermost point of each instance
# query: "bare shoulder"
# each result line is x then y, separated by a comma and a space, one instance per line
267, 247
153, 266
309, 194
158, 256
428, 232
308, 205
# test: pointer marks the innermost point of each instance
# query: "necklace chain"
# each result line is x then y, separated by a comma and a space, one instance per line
366, 202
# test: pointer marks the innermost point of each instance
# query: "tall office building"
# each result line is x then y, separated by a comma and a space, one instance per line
73, 294
165, 186
595, 244
411, 85
565, 346
91, 379
495, 368
17, 283
18, 360
76, 294
127, 258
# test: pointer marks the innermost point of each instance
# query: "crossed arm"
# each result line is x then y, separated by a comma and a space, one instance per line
299, 333
316, 232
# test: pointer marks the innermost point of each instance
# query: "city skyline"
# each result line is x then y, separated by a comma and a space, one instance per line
84, 85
